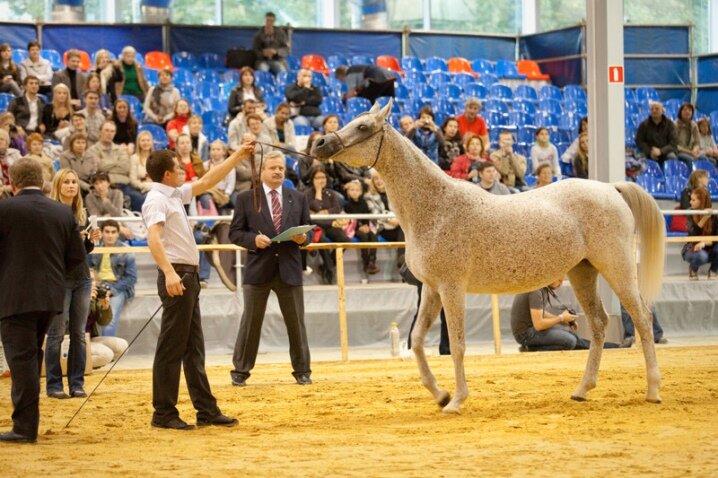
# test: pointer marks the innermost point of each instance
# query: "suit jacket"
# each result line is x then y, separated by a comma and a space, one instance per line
20, 108
62, 77
39, 241
283, 258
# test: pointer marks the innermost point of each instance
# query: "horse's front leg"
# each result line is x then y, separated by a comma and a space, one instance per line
428, 311
453, 297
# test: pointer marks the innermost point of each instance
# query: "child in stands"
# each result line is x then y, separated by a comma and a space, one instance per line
365, 229
543, 151
706, 144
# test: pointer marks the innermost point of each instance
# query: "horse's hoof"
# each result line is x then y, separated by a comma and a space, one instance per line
578, 398
451, 410
653, 400
444, 400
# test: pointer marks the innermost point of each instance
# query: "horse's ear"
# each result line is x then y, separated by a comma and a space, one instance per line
385, 111
374, 108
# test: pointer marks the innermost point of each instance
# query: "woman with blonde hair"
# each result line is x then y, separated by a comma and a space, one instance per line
139, 179
57, 114
78, 289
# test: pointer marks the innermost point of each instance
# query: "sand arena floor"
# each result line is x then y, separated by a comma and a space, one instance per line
374, 419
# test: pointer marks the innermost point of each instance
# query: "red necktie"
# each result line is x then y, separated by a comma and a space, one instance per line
276, 211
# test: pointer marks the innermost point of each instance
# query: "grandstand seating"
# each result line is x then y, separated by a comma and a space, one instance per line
674, 167
19, 55
183, 59
315, 63
361, 60
390, 63
483, 67
159, 136
54, 57
85, 62
531, 70
158, 60
527, 93
210, 60
646, 94
507, 69
460, 65
435, 63
411, 63
707, 165
5, 99
336, 60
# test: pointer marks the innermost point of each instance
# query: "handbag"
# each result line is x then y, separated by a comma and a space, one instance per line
351, 228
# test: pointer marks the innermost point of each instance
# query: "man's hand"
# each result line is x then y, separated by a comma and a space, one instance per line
262, 241
105, 303
174, 285
655, 152
299, 238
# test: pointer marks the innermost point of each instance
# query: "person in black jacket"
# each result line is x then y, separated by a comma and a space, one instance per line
40, 244
305, 100
657, 137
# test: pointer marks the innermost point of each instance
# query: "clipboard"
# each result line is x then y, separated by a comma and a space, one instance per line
292, 231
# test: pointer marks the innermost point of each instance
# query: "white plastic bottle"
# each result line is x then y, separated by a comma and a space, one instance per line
395, 339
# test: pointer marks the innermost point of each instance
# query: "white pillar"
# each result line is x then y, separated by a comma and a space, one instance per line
713, 25
529, 17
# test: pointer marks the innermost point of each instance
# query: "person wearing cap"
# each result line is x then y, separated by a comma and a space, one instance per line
471, 122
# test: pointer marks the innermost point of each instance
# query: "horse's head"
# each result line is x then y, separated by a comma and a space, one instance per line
359, 142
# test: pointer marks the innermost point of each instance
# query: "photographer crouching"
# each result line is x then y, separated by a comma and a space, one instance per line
104, 349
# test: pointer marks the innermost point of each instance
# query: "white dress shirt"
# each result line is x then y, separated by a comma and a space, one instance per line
267, 192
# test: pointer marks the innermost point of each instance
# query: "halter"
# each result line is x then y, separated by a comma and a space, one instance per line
378, 151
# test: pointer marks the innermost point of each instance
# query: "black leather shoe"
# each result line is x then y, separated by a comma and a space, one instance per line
59, 395
303, 379
218, 421
12, 437
80, 393
174, 424
238, 381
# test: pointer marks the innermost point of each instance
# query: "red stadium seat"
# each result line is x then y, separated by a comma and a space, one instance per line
532, 71
85, 62
390, 63
315, 63
158, 60
461, 65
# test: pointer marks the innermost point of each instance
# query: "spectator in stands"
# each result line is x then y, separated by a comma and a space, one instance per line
365, 229
224, 192
110, 74
426, 135
8, 156
78, 286
544, 175
699, 253
488, 179
104, 349
139, 179
706, 144
656, 136
245, 89
76, 159
453, 143
78, 124
629, 331
71, 77
161, 99
366, 81
57, 115
238, 126
510, 165
379, 203
194, 169
543, 151
182, 112
540, 321
126, 125
255, 126
134, 82
200, 144
687, 145
102, 200
330, 124
461, 166
17, 140
406, 123
94, 116
580, 161
36, 144
114, 160
304, 100
29, 108
271, 46
698, 179
323, 200
9, 72
117, 272
94, 83
570, 154
37, 66
281, 128
471, 122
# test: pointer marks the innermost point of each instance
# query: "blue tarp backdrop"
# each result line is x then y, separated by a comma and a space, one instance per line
17, 35
210, 39
424, 45
93, 37
560, 43
707, 98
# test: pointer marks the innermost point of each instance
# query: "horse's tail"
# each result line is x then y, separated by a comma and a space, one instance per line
650, 227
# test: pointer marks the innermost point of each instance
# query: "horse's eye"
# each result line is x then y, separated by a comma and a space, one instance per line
363, 127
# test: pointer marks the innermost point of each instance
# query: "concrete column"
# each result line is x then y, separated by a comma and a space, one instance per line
529, 17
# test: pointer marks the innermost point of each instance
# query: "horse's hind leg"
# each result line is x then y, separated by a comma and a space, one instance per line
428, 311
453, 299
584, 280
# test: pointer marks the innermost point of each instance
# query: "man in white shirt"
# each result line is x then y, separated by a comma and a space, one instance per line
35, 65
171, 242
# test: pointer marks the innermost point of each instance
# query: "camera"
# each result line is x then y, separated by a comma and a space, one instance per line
103, 290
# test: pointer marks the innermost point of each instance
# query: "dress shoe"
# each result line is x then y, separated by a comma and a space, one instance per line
239, 381
174, 424
218, 421
79, 393
628, 342
12, 437
60, 395
692, 275
372, 269
662, 340
303, 379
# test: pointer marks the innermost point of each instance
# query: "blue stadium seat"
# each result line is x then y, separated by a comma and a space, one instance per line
211, 60
526, 135
653, 169
210, 76
435, 63
54, 57
5, 99
319, 79
413, 106
707, 165
487, 79
527, 93
507, 69
423, 91
476, 90
337, 60
331, 105
675, 185
411, 63
288, 184
361, 60
213, 117
438, 78
19, 55
674, 167
644, 94
550, 92
135, 104
357, 105
451, 92
547, 120
653, 185
285, 78
230, 76
630, 95
413, 77
520, 119
566, 168
272, 101
159, 135
525, 106
215, 104
443, 105
569, 122
463, 79
395, 107
186, 89
215, 133
207, 89
501, 92
303, 130
183, 76
262, 78
574, 92
576, 106
713, 188
184, 59
151, 76
401, 93
483, 66
496, 105
550, 106
294, 63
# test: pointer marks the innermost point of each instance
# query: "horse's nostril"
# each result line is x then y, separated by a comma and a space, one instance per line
320, 142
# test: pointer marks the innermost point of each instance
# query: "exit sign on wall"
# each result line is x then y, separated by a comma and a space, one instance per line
615, 74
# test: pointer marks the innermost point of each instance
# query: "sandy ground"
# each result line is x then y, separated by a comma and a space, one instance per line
374, 419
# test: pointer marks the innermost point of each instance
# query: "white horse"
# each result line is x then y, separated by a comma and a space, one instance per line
462, 239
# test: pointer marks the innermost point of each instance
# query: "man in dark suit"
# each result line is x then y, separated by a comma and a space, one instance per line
40, 242
28, 109
271, 266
